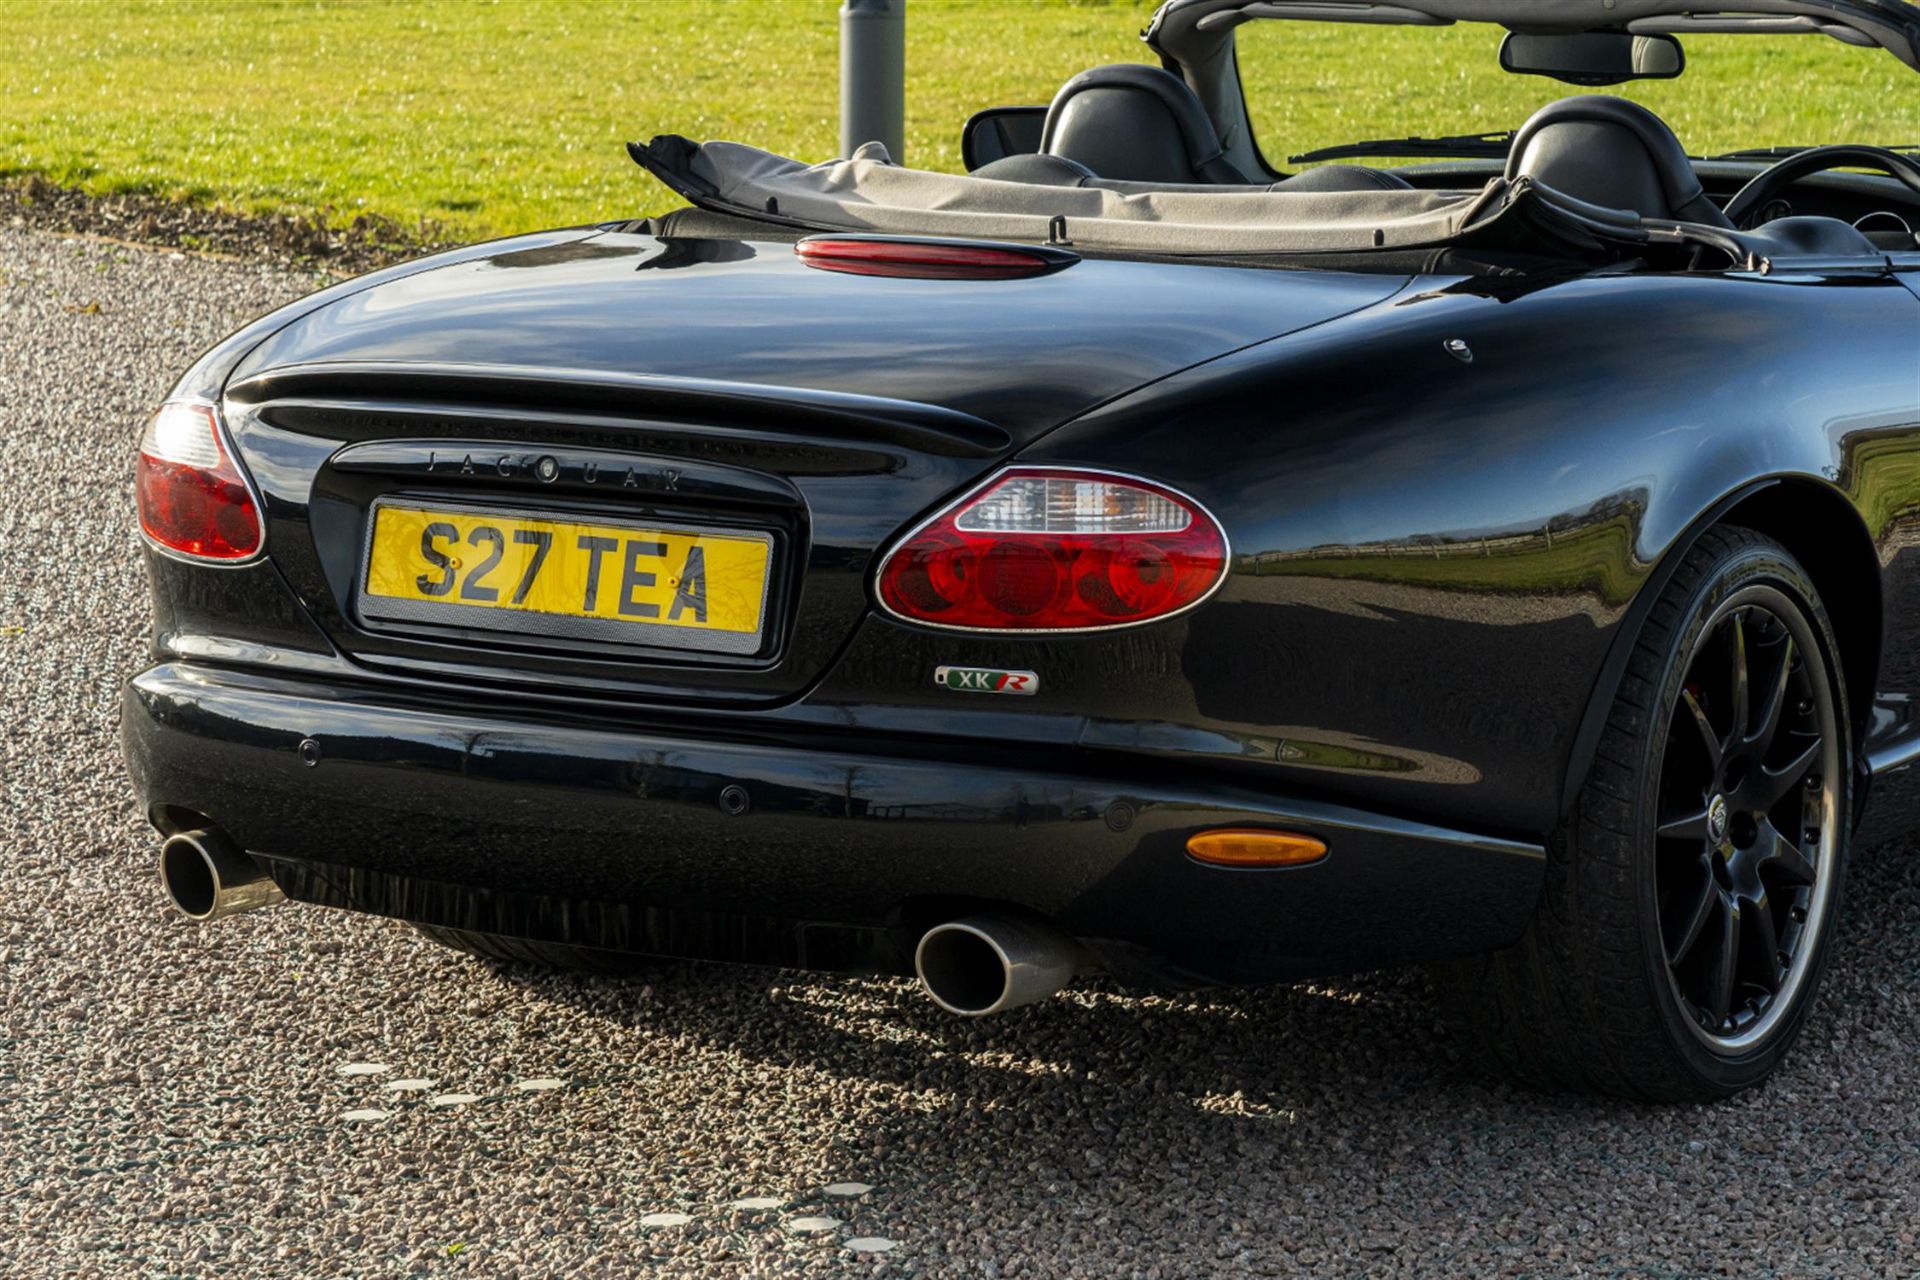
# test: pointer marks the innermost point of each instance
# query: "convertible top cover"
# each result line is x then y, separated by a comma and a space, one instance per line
870, 193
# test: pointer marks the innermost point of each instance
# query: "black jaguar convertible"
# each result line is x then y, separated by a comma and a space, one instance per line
1125, 557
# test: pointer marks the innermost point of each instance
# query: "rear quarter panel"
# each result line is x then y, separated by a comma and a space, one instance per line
1433, 557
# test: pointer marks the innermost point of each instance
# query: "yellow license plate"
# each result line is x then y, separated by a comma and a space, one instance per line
685, 588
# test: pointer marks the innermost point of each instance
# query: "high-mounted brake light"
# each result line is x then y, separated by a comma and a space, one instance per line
193, 499
928, 259
1036, 549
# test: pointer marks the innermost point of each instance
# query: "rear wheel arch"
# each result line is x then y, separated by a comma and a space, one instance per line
1838, 554
1823, 531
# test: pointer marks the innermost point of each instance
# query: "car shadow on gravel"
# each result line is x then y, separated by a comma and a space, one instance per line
1293, 1121
1371, 1036
1330, 1081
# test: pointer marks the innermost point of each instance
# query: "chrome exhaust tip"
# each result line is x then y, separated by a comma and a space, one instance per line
207, 876
988, 964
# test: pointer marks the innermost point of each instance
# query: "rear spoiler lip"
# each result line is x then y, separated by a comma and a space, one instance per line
841, 415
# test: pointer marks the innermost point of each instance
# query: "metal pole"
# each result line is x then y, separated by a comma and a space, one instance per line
873, 75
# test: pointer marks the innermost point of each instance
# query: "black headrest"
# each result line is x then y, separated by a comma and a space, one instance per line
1135, 123
1343, 177
1611, 152
1036, 170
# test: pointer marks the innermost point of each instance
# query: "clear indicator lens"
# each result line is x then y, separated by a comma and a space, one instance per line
1063, 504
182, 433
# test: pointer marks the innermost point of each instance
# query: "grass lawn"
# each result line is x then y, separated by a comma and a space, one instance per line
488, 118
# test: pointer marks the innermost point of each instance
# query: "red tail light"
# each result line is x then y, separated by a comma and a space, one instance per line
193, 498
1043, 550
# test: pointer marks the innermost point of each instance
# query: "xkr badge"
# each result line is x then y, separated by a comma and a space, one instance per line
986, 680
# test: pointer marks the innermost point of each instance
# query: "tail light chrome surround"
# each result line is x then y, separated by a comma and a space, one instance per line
1196, 554
185, 444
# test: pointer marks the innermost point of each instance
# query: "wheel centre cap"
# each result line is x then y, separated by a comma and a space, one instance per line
1717, 819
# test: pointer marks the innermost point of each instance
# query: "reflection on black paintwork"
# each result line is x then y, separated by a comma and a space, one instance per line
1580, 553
556, 829
680, 253
553, 255
1879, 470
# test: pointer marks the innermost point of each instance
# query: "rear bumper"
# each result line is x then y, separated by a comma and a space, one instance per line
815, 851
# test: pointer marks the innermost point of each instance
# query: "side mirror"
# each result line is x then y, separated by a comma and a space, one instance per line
1591, 58
999, 132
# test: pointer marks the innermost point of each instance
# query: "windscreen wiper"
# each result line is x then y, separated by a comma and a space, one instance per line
1465, 145
1781, 153
1758, 153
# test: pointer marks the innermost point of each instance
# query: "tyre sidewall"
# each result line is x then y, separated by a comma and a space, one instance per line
1744, 565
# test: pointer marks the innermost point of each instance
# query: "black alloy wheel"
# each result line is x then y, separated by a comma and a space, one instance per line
1749, 796
1689, 893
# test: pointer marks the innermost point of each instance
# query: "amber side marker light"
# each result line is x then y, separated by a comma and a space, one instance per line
1249, 848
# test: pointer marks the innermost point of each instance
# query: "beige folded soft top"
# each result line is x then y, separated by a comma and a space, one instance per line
870, 193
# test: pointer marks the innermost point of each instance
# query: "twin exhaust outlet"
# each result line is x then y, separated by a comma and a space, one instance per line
982, 964
991, 963
207, 876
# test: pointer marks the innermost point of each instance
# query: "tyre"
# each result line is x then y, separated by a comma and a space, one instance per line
538, 955
1692, 891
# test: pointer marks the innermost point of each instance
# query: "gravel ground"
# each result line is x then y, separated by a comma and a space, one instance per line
172, 1100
